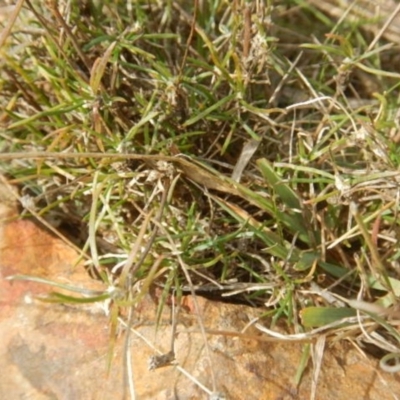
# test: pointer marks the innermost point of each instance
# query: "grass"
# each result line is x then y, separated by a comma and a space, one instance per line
214, 148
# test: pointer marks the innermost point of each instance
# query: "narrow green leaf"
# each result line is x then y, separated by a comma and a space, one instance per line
209, 110
59, 109
63, 286
376, 284
313, 317
256, 199
288, 196
146, 118
55, 297
332, 269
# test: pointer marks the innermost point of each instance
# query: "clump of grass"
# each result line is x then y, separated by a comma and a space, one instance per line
213, 149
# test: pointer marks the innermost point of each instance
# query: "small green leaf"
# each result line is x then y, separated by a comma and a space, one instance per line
288, 196
209, 110
55, 297
320, 316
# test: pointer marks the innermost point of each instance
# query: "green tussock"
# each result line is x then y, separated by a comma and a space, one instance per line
212, 147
